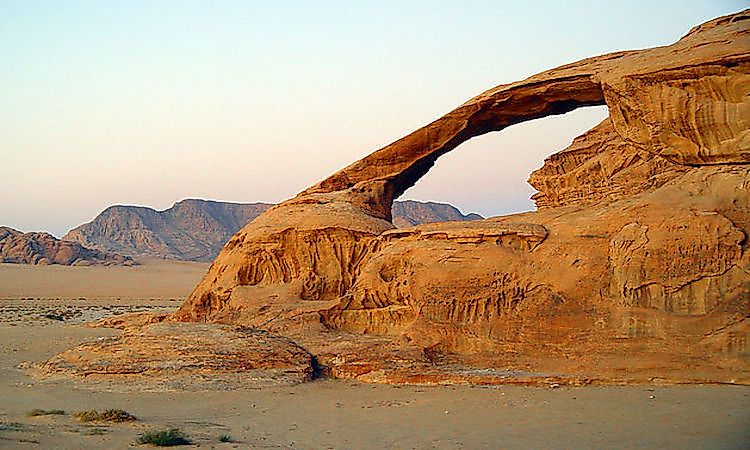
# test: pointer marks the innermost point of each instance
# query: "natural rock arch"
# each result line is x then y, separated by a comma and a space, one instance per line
376, 180
687, 104
635, 267
659, 101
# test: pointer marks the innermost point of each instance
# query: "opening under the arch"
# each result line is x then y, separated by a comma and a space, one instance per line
488, 174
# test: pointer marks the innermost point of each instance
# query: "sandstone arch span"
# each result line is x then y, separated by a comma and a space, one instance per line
660, 100
384, 175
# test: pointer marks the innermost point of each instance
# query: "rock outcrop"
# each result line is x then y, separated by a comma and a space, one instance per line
599, 165
635, 268
168, 356
195, 230
43, 248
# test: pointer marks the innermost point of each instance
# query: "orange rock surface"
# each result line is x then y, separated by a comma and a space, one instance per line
166, 356
635, 267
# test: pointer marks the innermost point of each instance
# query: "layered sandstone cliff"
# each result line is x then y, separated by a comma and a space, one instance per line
635, 268
599, 165
43, 248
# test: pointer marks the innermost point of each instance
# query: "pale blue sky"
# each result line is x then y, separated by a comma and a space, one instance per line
150, 102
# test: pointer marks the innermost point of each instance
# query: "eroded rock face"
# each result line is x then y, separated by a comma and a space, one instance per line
191, 230
634, 269
43, 248
678, 264
318, 253
599, 165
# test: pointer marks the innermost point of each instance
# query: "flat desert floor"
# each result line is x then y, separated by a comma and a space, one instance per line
42, 309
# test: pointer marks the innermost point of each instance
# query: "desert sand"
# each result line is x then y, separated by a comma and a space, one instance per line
157, 279
320, 414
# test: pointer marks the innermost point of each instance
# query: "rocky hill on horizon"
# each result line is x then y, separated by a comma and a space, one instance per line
40, 248
408, 213
195, 229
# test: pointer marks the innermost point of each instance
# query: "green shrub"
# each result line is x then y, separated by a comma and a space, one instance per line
45, 412
225, 438
13, 426
165, 438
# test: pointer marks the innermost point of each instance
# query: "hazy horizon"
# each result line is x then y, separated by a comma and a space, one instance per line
148, 104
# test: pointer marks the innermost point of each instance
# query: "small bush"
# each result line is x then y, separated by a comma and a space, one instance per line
225, 438
117, 415
52, 316
45, 412
110, 415
166, 438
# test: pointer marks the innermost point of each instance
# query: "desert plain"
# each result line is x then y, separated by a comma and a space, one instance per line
615, 315
44, 309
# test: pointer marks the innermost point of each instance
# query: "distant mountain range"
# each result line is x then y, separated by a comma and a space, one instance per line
408, 213
195, 230
191, 230
43, 248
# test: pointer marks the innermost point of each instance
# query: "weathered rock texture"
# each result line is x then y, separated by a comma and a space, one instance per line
179, 356
195, 230
43, 248
599, 165
635, 268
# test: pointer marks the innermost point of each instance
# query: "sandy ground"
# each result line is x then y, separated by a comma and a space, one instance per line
156, 279
321, 414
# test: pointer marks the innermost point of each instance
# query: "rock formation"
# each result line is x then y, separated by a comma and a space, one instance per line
43, 248
635, 267
195, 230
599, 165
173, 355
